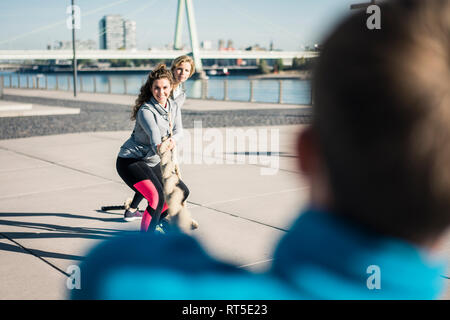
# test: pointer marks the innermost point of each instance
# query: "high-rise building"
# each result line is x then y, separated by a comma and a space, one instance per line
206, 45
117, 33
129, 34
221, 45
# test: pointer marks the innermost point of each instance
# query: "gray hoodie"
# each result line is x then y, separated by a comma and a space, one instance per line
152, 124
179, 95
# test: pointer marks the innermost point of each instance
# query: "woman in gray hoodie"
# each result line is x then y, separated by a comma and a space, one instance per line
182, 68
138, 162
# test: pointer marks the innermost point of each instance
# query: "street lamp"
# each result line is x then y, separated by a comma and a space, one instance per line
74, 61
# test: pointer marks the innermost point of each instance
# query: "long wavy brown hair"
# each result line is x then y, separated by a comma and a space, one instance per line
160, 72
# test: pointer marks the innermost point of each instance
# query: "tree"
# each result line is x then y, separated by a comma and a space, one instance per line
278, 66
263, 67
298, 63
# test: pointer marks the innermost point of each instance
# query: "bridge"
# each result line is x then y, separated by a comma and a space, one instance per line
185, 8
22, 55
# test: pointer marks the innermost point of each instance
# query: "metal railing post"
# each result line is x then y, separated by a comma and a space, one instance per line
81, 83
46, 82
18, 81
280, 91
204, 89
57, 83
124, 85
34, 82
2, 83
95, 85
28, 81
10, 80
37, 82
109, 84
68, 83
252, 98
225, 89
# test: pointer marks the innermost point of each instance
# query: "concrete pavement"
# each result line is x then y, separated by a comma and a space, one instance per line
53, 187
14, 109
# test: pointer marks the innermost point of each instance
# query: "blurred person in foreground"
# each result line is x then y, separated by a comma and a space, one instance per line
377, 157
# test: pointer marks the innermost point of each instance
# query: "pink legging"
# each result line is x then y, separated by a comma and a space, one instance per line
146, 180
149, 191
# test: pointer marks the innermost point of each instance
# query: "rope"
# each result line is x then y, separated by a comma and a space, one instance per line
178, 214
125, 206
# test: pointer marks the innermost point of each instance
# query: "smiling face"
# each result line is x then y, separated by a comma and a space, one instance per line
182, 72
161, 89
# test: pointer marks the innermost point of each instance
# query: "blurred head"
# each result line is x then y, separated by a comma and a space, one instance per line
159, 85
182, 68
378, 150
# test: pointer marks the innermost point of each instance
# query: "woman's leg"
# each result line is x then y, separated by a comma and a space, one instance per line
136, 200
152, 190
141, 178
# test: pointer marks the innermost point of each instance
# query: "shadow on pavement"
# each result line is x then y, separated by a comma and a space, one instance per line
54, 231
40, 253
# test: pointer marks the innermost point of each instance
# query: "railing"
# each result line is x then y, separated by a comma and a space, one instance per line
65, 82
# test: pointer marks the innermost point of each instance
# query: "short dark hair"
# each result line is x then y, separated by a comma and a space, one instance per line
382, 117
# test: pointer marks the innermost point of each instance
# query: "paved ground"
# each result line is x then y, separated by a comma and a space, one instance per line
9, 109
54, 185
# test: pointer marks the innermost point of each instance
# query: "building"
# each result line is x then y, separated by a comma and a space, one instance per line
221, 45
129, 37
206, 45
116, 33
255, 47
67, 45
111, 32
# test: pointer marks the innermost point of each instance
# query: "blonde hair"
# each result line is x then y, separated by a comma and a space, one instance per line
181, 59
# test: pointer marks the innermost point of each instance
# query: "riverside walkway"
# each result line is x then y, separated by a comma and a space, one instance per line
57, 173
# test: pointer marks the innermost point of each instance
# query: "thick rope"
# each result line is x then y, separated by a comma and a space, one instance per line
178, 214
125, 206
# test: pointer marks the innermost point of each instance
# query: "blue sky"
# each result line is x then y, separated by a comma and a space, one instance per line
32, 24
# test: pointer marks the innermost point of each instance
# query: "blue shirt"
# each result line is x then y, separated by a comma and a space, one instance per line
322, 257
325, 256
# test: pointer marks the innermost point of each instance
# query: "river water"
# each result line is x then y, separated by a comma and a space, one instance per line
239, 87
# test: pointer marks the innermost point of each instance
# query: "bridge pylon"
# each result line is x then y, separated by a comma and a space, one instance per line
186, 6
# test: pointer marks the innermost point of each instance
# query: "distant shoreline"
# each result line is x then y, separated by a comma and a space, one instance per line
284, 75
110, 70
